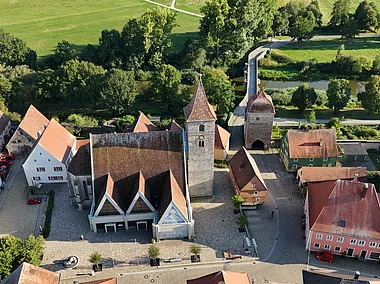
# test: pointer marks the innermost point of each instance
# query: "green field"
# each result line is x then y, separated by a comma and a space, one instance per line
325, 50
43, 23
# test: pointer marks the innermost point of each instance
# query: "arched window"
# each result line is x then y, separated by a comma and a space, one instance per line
201, 127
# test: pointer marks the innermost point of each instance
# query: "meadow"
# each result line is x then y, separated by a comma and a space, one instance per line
325, 50
44, 23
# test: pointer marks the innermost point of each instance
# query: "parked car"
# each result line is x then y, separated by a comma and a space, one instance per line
325, 255
6, 162
32, 200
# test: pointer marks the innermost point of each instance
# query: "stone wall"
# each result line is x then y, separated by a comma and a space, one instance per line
258, 126
200, 163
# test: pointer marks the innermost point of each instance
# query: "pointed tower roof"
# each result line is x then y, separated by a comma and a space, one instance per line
261, 102
199, 108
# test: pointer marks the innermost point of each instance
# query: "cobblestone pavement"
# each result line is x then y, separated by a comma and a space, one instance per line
215, 227
16, 217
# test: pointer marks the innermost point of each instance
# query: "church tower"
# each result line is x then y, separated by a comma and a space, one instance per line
200, 129
258, 122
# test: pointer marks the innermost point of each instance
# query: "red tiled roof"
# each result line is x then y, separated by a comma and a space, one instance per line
333, 201
199, 108
318, 143
57, 140
315, 174
222, 276
222, 137
102, 281
33, 122
173, 126
260, 102
125, 154
142, 124
30, 274
244, 169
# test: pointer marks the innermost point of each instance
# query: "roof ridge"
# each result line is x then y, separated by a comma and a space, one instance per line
252, 163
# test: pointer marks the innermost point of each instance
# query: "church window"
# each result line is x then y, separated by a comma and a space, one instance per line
257, 118
201, 143
201, 127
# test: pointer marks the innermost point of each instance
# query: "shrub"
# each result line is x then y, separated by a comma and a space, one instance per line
142, 75
195, 249
153, 251
280, 58
322, 98
237, 200
95, 257
49, 212
242, 221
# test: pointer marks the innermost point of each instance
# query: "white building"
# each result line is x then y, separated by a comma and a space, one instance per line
50, 156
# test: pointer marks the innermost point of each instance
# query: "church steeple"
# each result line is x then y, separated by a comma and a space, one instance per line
199, 108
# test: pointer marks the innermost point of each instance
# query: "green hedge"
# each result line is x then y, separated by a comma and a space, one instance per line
49, 212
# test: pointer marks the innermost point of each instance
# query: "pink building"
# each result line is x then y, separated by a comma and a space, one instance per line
343, 217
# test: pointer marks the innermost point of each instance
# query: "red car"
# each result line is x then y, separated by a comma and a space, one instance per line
32, 200
9, 156
325, 255
5, 162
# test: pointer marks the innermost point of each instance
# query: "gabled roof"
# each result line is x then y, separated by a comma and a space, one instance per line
222, 137
222, 276
260, 103
333, 201
199, 108
141, 124
30, 274
244, 169
173, 126
33, 122
171, 192
80, 165
57, 140
102, 281
316, 174
318, 143
4, 120
140, 190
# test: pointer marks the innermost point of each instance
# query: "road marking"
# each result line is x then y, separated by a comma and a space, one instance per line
277, 228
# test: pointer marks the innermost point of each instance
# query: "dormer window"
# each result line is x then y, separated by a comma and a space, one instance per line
201, 127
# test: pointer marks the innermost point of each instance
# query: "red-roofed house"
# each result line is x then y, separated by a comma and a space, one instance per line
222, 143
247, 178
142, 124
343, 217
30, 274
29, 130
309, 148
50, 156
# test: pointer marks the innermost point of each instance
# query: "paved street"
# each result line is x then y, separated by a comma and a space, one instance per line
16, 217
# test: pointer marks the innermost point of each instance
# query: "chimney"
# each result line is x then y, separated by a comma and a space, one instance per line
365, 189
357, 275
320, 143
356, 177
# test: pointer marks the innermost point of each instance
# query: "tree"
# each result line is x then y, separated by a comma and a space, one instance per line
110, 51
165, 82
303, 27
339, 93
214, 24
78, 121
339, 12
134, 44
118, 89
13, 51
367, 16
311, 116
156, 26
349, 28
314, 8
5, 87
280, 22
63, 52
334, 122
304, 97
376, 65
371, 97
14, 251
192, 56
219, 90
153, 251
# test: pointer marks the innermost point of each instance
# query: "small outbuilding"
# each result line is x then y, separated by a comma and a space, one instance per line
353, 152
222, 143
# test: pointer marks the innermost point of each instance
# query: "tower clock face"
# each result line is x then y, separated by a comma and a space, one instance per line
201, 137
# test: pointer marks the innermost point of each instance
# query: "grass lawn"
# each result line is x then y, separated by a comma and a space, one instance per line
44, 23
293, 112
190, 5
325, 50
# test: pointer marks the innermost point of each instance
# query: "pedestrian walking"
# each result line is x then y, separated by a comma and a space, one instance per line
272, 214
81, 237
